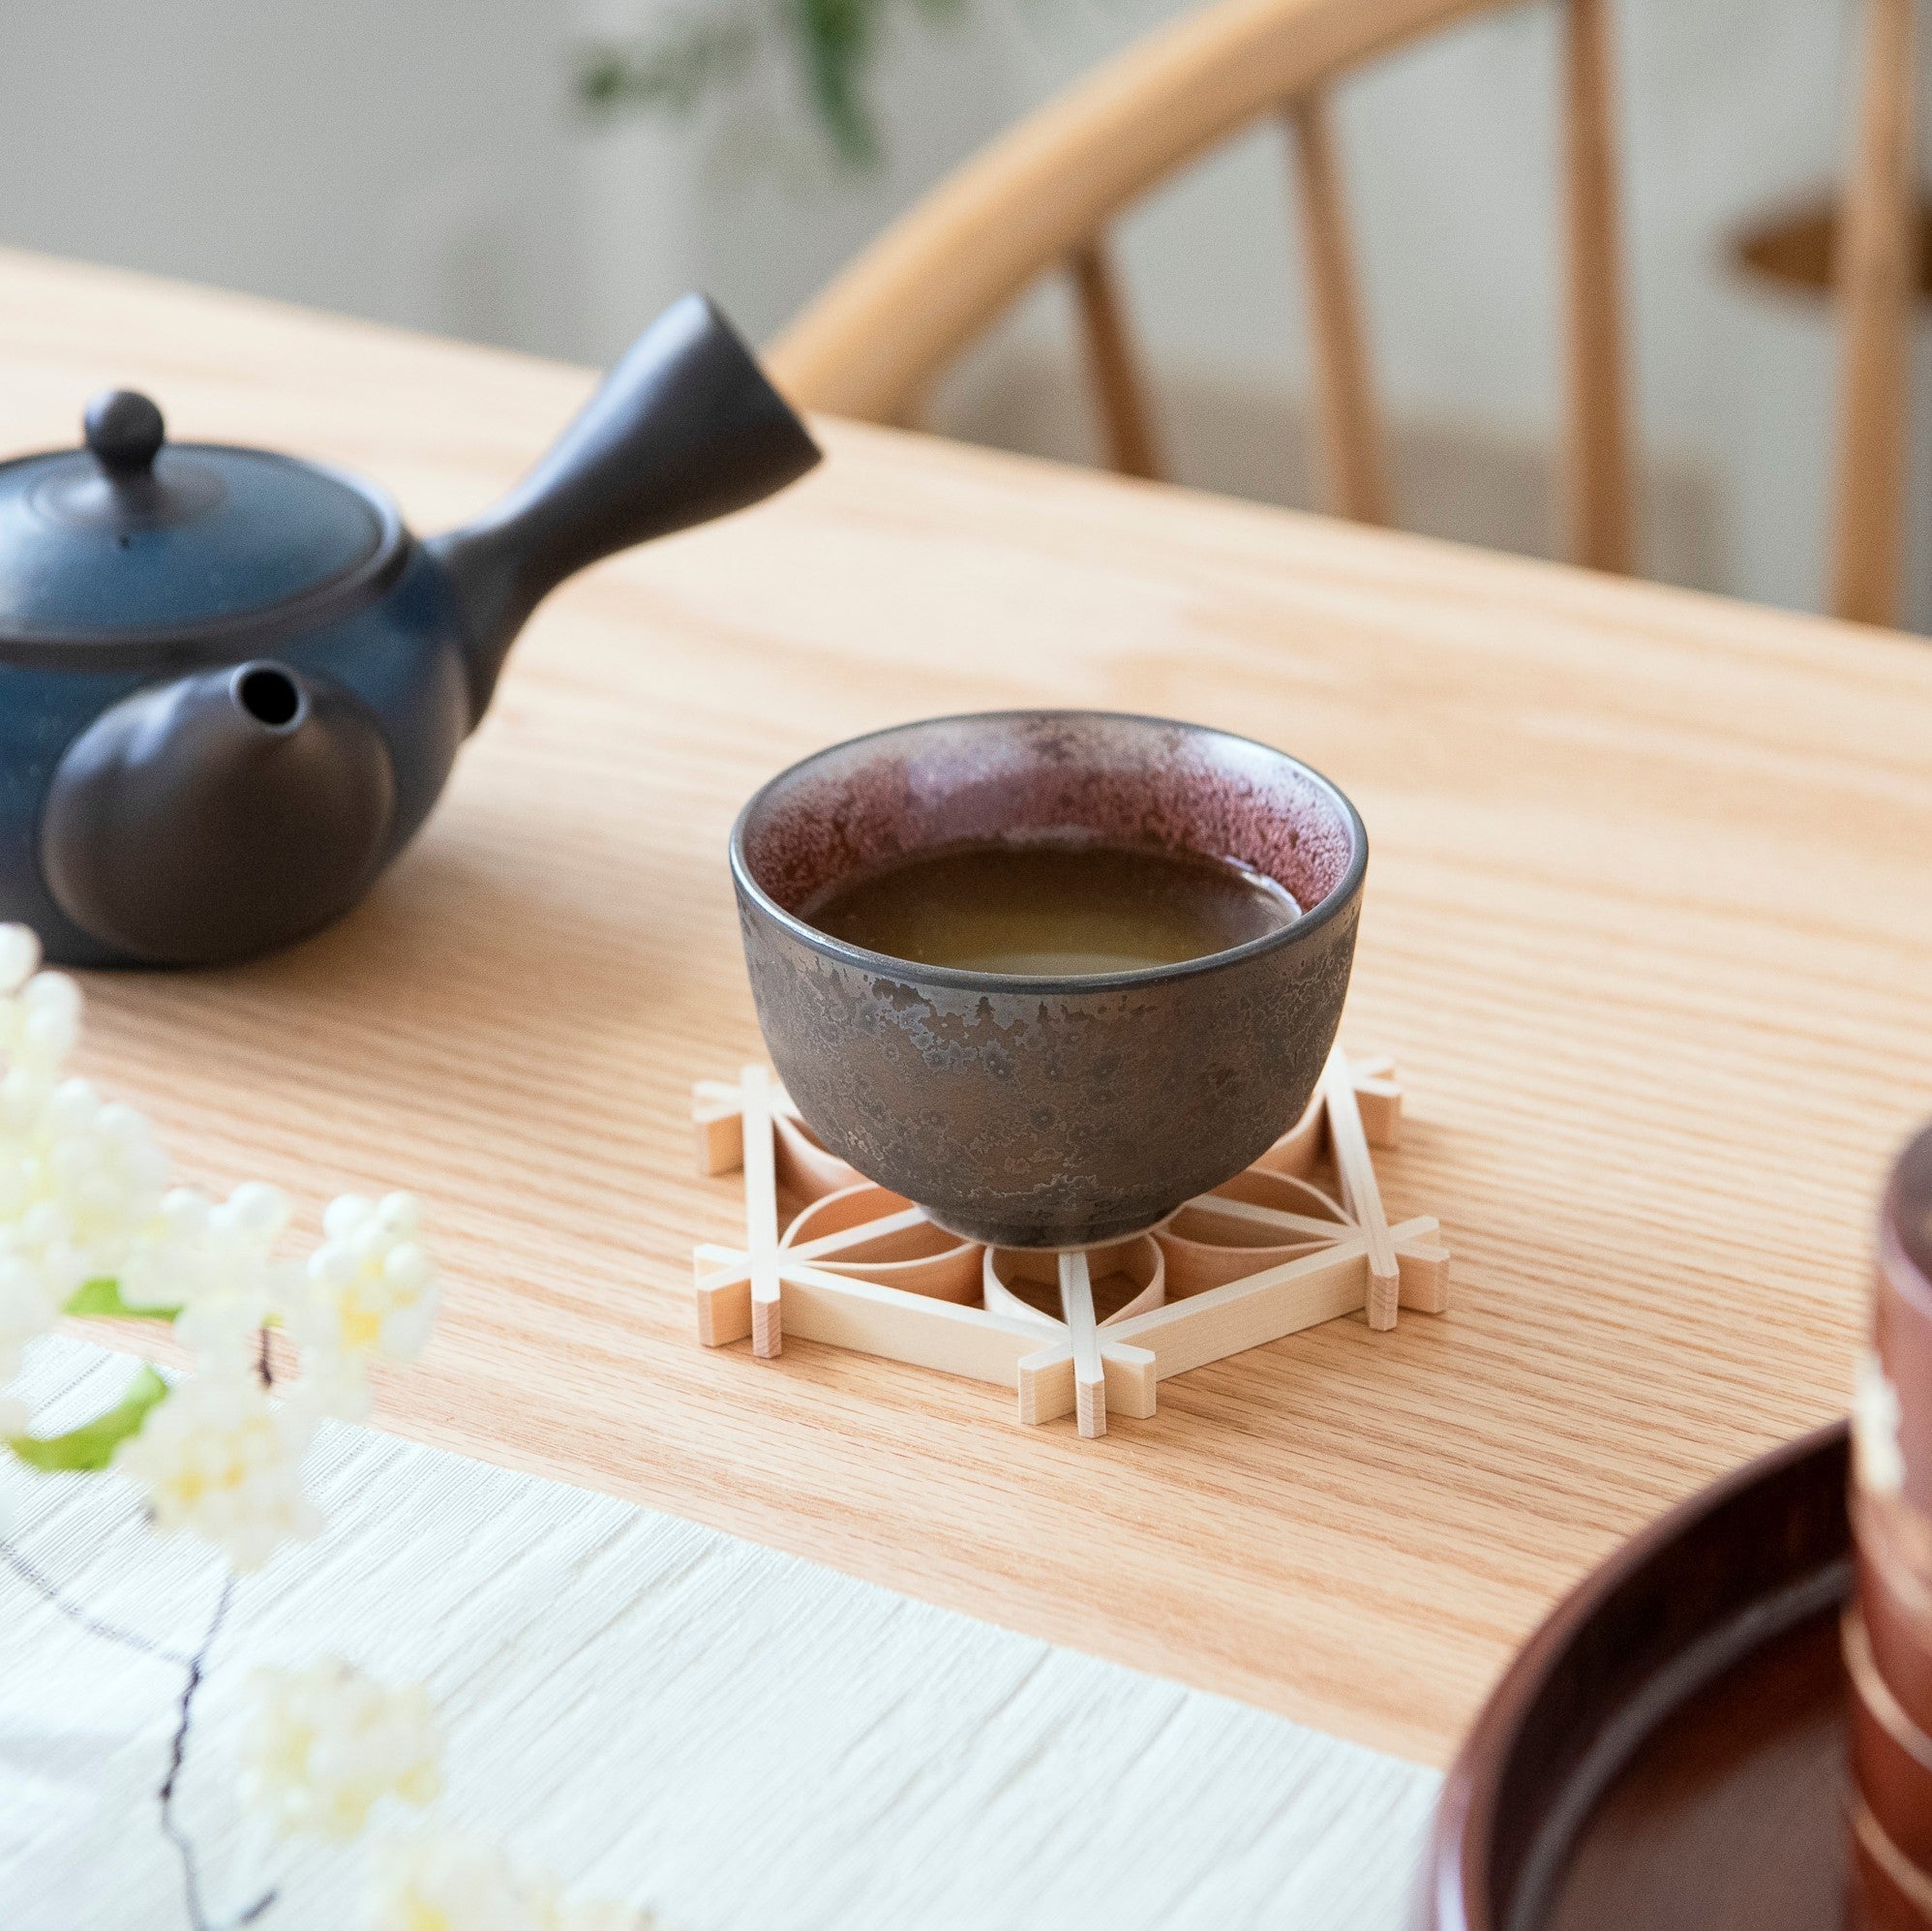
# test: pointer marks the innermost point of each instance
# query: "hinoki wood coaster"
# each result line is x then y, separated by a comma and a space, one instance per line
830, 1256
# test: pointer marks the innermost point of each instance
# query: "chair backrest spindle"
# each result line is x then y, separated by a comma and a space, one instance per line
1596, 432
1876, 275
1113, 365
1349, 433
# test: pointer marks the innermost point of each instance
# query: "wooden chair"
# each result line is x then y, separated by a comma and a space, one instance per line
1877, 275
1042, 196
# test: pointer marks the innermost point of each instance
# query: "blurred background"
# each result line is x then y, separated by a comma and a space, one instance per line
487, 169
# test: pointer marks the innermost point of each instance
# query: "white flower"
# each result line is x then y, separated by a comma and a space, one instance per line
19, 957
446, 1882
213, 1263
27, 1311
371, 1291
324, 1745
40, 1019
1875, 1419
449, 1882
218, 1457
80, 1181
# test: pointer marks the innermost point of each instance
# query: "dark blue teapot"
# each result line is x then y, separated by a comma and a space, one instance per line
232, 684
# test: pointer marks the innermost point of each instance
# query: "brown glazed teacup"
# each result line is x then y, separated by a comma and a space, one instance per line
1032, 1111
1889, 1633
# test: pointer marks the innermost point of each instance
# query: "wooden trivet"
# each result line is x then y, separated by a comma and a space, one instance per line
1088, 1331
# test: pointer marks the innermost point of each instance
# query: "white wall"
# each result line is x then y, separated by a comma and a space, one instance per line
420, 159
406, 159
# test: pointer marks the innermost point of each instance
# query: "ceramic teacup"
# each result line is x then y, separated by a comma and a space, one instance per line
1028, 1111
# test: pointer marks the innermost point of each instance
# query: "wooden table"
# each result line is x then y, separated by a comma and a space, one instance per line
1648, 923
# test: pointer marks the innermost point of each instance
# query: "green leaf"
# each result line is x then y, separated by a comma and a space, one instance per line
104, 1297
92, 1445
700, 47
670, 70
835, 42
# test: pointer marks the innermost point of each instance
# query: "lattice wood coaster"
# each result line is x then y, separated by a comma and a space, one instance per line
829, 1257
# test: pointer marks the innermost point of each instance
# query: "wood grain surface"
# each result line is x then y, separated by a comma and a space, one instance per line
1648, 924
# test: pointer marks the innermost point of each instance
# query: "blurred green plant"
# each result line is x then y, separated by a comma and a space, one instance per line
693, 51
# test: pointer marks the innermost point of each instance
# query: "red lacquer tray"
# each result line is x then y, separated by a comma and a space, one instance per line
1668, 1752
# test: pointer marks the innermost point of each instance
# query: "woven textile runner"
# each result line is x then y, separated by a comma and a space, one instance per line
740, 1739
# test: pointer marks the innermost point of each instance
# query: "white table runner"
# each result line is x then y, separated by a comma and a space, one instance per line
656, 1711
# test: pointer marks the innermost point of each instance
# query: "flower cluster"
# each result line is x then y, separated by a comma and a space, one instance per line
88, 1224
444, 1882
88, 1221
369, 1290
78, 1179
222, 1458
207, 1267
324, 1745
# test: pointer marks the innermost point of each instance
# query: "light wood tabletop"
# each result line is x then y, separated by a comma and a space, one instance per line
1648, 924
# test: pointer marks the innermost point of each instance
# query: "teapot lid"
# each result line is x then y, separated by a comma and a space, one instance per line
135, 542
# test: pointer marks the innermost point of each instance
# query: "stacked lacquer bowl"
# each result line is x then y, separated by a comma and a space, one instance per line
1888, 1631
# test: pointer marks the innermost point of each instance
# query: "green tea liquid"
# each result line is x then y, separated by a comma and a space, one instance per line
1052, 910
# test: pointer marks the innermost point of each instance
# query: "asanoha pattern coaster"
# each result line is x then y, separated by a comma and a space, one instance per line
830, 1256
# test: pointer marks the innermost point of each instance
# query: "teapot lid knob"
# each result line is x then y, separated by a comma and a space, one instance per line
125, 433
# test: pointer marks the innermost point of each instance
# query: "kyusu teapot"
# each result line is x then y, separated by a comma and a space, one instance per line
232, 684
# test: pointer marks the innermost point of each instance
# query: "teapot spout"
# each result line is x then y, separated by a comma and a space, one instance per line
685, 428
218, 815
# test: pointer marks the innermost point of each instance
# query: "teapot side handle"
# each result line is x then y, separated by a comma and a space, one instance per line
685, 428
